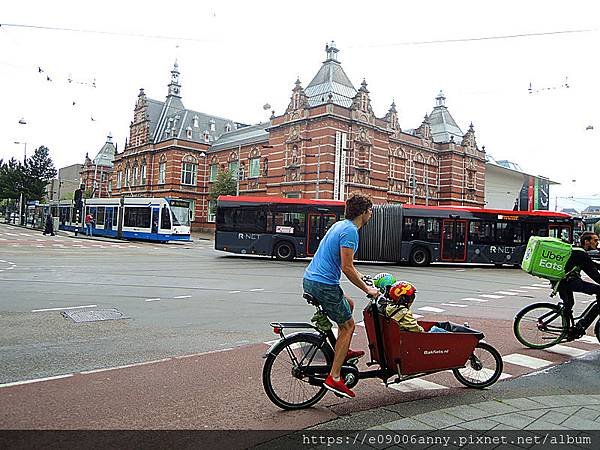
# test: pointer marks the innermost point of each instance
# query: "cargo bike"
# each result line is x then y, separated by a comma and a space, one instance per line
297, 365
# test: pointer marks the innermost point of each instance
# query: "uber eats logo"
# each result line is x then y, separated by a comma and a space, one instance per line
551, 260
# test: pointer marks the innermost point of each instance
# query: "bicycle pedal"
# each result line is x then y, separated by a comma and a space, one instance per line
353, 361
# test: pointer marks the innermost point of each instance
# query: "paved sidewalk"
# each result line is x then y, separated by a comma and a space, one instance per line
554, 412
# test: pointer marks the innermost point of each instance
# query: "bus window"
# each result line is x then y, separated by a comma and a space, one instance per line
509, 233
289, 220
481, 232
243, 219
433, 230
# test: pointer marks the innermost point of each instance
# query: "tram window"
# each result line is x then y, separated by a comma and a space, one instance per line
137, 217
100, 216
165, 218
115, 217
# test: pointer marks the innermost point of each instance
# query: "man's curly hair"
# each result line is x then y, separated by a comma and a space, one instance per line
357, 204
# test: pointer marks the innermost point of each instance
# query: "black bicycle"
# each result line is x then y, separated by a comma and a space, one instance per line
542, 325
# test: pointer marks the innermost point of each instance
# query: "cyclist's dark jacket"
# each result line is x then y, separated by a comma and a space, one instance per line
584, 262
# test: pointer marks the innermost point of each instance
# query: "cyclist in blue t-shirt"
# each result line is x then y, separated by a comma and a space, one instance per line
322, 280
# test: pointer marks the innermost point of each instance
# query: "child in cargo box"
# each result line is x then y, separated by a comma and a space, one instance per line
402, 295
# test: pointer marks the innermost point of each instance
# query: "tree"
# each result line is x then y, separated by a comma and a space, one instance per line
39, 170
225, 184
12, 179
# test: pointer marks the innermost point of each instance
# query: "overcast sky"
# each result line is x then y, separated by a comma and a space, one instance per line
236, 56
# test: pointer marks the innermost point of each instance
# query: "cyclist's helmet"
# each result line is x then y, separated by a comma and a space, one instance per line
383, 280
402, 293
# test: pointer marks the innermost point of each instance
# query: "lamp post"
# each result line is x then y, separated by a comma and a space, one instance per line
21, 200
204, 183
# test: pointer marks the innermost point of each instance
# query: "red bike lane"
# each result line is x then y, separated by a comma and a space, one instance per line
219, 390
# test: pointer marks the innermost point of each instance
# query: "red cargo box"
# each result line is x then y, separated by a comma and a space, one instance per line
409, 353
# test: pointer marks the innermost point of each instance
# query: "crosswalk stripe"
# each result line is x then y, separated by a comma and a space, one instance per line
541, 285
531, 287
431, 309
519, 291
416, 385
458, 305
492, 296
506, 293
417, 316
526, 361
588, 339
566, 350
472, 299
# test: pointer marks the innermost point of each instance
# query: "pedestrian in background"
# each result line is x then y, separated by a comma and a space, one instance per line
89, 221
49, 225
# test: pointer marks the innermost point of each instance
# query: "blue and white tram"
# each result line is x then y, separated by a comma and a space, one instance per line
144, 218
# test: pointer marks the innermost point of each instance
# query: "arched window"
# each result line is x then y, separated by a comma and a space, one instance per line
254, 163
189, 169
162, 169
214, 168
234, 163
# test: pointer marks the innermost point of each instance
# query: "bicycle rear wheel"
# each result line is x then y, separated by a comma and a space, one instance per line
483, 367
540, 325
285, 377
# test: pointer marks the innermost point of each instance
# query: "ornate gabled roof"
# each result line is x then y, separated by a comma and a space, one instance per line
243, 136
330, 80
170, 119
443, 126
106, 155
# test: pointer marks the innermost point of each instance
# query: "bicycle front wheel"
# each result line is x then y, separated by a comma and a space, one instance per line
540, 325
287, 378
483, 367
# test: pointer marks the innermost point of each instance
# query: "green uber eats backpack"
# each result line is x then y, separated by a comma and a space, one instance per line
546, 257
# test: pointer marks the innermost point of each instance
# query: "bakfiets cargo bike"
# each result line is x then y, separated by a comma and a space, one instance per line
297, 365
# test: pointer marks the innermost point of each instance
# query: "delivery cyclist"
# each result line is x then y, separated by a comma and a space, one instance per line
578, 261
322, 280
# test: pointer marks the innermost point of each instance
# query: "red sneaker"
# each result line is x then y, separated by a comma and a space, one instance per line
338, 387
354, 354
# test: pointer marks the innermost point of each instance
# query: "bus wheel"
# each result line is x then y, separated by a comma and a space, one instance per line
284, 251
419, 257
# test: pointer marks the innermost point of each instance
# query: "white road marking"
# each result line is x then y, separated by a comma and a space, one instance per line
587, 339
234, 292
125, 366
2, 239
17, 383
526, 361
431, 309
489, 372
182, 296
491, 296
10, 234
472, 299
205, 353
454, 304
519, 291
566, 350
152, 299
506, 293
541, 285
63, 309
256, 290
416, 385
531, 287
417, 316
461, 270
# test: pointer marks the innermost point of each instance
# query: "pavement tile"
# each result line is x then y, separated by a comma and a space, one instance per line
495, 407
578, 423
594, 407
438, 419
407, 424
587, 413
554, 417
557, 401
480, 424
465, 412
543, 425
514, 421
535, 413
522, 403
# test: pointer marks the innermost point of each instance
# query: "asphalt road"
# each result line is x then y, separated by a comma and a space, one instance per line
196, 328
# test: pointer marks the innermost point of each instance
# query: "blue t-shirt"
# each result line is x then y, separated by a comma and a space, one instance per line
326, 265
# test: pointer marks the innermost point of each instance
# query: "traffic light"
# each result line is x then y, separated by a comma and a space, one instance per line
77, 197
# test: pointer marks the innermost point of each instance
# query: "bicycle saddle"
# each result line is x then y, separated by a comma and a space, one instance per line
310, 299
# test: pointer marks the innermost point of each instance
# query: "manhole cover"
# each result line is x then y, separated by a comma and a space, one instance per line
95, 315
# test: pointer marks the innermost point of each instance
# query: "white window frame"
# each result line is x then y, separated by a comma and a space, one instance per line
143, 174
162, 172
254, 171
119, 179
212, 217
191, 169
214, 172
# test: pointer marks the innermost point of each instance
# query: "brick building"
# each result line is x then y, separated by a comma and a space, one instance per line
96, 174
328, 143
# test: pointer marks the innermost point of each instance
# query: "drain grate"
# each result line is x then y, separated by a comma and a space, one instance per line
95, 315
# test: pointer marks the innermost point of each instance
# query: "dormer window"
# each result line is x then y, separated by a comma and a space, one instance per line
212, 125
196, 125
227, 127
188, 131
206, 136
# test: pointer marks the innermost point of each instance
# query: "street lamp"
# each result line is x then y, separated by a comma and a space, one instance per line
24, 150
